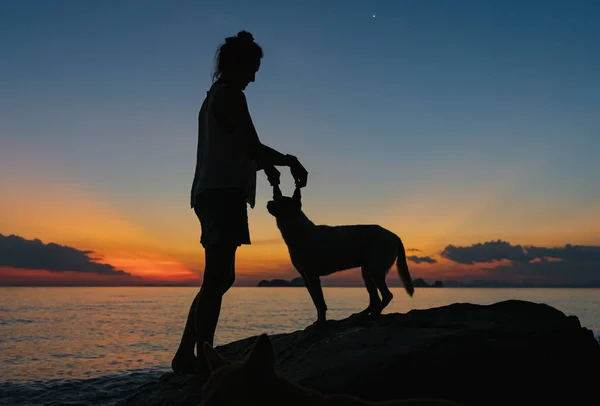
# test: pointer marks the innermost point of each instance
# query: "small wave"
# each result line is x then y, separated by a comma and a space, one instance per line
77, 356
148, 346
15, 321
106, 390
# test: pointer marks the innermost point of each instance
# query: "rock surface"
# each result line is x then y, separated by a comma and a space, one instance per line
508, 353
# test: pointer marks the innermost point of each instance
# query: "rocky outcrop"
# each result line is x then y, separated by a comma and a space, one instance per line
420, 283
508, 353
281, 283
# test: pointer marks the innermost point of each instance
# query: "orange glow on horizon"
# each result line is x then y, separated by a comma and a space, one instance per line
55, 208
17, 276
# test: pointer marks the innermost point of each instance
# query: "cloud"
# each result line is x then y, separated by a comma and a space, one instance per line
18, 252
413, 250
501, 250
567, 264
418, 260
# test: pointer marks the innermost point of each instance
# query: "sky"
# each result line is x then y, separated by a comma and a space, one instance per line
468, 128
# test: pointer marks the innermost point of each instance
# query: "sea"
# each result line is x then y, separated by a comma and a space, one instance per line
96, 345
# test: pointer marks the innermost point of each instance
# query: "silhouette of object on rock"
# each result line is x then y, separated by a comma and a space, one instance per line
255, 382
508, 353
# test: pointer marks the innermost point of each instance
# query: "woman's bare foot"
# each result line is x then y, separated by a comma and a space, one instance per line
184, 363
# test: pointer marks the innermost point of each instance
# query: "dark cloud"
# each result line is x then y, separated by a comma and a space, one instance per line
18, 252
568, 264
501, 250
556, 272
418, 260
413, 250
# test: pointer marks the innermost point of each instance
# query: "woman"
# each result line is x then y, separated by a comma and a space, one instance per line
228, 157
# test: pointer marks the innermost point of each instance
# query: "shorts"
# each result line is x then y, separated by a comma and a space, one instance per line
223, 216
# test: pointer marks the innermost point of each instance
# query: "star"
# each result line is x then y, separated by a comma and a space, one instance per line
373, 15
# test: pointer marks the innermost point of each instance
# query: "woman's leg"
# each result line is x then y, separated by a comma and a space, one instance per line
224, 223
230, 277
219, 260
204, 312
184, 360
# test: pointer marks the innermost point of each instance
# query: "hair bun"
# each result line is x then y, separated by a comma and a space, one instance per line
245, 36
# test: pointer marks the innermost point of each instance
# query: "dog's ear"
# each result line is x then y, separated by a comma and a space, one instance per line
213, 358
262, 356
277, 192
296, 196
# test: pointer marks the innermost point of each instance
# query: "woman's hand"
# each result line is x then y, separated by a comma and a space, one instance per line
298, 172
272, 175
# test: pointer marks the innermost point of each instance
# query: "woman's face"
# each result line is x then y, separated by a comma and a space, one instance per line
249, 76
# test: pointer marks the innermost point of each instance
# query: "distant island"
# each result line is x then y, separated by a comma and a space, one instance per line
420, 283
281, 283
298, 282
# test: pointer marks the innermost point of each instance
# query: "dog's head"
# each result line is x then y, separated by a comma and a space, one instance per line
282, 206
247, 383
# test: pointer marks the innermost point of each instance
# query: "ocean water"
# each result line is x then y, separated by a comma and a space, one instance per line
80, 346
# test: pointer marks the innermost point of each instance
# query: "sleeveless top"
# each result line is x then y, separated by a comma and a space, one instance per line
222, 161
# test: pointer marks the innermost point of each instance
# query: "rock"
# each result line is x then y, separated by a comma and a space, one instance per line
508, 353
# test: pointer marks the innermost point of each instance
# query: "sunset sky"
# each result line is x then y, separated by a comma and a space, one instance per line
469, 128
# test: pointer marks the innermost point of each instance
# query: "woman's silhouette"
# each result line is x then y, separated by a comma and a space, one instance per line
229, 155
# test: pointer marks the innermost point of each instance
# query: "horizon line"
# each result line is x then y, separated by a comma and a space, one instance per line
461, 286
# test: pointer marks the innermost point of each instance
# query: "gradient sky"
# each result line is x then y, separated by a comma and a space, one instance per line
452, 123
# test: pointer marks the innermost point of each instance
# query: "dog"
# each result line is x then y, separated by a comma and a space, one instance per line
255, 382
319, 250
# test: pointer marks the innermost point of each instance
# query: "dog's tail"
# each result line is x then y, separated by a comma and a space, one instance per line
402, 267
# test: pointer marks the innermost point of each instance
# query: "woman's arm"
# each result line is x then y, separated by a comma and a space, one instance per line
232, 102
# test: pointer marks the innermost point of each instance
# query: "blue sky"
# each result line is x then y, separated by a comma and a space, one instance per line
391, 105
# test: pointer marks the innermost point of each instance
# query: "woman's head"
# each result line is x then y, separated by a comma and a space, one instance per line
238, 59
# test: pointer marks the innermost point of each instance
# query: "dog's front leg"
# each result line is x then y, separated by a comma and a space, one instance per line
313, 285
